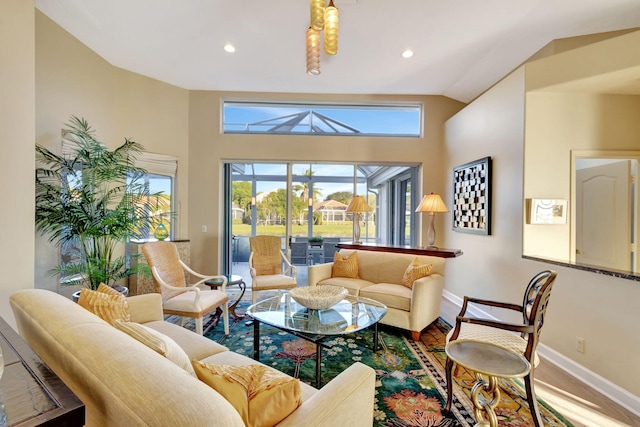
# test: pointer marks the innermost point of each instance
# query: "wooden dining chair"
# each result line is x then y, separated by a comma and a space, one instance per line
521, 338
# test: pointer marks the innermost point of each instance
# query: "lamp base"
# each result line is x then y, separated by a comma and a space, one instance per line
432, 247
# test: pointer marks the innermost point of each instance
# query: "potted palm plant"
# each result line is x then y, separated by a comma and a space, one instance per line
91, 201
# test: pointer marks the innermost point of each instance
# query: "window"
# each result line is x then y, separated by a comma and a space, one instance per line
382, 120
160, 177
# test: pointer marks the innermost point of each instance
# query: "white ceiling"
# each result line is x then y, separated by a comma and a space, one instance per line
462, 47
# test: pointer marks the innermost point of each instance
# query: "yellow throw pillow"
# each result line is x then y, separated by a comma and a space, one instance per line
345, 267
415, 271
157, 342
261, 395
105, 304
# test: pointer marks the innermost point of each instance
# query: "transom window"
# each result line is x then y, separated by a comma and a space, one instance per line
383, 120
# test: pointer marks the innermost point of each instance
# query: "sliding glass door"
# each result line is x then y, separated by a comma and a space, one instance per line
305, 204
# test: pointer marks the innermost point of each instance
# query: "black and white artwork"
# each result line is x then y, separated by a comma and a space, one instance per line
472, 197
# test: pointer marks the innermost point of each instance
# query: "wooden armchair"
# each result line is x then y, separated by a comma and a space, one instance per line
519, 338
266, 266
179, 298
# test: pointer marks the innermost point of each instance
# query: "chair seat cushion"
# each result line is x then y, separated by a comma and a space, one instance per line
274, 281
185, 301
508, 340
391, 295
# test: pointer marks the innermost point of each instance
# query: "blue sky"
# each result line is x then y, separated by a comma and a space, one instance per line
371, 119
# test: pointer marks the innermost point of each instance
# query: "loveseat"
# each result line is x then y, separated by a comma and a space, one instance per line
380, 277
125, 383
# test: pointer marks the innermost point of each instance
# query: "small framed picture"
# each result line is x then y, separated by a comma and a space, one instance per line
548, 211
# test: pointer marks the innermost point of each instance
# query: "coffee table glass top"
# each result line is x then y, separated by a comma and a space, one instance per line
349, 315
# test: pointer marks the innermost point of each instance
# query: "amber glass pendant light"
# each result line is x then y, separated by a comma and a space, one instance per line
316, 9
331, 29
313, 52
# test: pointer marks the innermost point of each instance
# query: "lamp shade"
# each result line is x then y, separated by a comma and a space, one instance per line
358, 204
432, 203
331, 29
313, 52
316, 11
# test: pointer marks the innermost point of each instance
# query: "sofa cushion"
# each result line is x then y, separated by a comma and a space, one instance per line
262, 395
352, 285
196, 346
106, 303
415, 271
345, 266
391, 295
158, 342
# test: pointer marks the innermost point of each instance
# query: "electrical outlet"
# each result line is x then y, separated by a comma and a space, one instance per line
580, 345
204, 228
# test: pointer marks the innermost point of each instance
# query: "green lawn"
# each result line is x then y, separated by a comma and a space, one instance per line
333, 229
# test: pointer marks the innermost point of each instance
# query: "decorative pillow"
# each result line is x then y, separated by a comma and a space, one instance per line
415, 271
159, 343
262, 395
106, 303
345, 267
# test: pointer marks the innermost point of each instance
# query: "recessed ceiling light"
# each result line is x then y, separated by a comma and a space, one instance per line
407, 53
229, 48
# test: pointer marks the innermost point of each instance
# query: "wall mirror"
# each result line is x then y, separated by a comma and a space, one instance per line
604, 220
601, 230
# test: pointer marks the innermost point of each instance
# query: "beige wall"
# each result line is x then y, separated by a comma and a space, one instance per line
558, 122
601, 309
17, 109
72, 80
209, 148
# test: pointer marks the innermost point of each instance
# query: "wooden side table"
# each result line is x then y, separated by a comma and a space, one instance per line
494, 362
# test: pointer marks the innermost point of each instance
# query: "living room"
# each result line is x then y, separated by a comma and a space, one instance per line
53, 75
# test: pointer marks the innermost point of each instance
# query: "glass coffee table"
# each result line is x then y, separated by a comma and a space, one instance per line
351, 315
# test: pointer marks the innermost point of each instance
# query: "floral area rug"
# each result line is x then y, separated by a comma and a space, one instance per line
410, 376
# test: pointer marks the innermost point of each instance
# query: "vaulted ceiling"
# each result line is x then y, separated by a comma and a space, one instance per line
461, 47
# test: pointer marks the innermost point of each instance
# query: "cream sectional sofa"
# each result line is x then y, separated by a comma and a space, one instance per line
124, 383
380, 277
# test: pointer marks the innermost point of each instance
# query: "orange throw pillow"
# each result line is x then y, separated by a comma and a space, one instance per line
106, 303
415, 271
262, 395
345, 267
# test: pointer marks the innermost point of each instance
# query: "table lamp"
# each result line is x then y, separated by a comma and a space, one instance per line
431, 203
357, 205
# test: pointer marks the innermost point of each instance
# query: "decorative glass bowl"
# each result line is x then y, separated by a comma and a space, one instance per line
318, 297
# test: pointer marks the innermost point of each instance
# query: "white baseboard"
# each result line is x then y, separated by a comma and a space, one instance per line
605, 387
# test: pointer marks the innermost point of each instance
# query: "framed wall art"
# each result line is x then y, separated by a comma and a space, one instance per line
472, 197
548, 211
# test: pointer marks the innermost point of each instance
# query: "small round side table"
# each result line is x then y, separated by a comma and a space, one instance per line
232, 279
494, 362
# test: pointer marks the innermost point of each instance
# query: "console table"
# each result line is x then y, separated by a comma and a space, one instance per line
30, 393
439, 252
